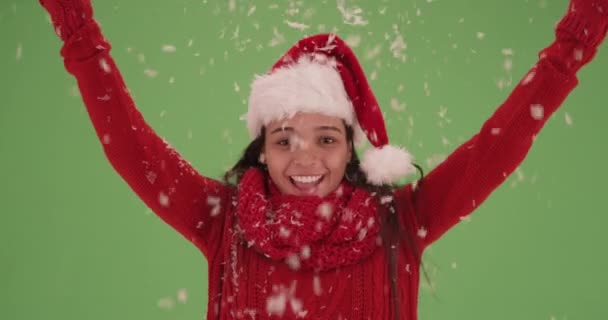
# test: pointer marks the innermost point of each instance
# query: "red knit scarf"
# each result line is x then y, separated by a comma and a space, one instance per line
307, 232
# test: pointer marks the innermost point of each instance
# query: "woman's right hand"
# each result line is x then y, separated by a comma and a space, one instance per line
585, 20
68, 15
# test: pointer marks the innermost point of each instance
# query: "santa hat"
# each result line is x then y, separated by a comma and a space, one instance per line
320, 74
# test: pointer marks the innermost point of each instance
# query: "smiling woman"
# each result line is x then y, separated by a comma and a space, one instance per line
307, 154
300, 228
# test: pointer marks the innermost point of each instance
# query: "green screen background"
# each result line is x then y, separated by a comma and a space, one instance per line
76, 243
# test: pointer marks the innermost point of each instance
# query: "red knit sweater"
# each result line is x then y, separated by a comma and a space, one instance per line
244, 284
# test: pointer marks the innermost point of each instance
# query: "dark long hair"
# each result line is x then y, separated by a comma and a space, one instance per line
392, 230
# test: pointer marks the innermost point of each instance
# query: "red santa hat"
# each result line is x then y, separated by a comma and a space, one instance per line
321, 74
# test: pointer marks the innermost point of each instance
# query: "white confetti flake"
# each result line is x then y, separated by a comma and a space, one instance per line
151, 73
106, 139
386, 199
297, 25
568, 119
353, 41
251, 11
190, 42
163, 199
305, 252
316, 286
166, 303
19, 52
105, 97
395, 105
466, 218
578, 54
182, 296
231, 5
371, 54
296, 305
277, 38
351, 16
214, 203
398, 46
537, 111
141, 58
508, 64
422, 232
480, 35
169, 48
495, 131
275, 304
293, 261
374, 75
325, 211
284, 233
507, 51
528, 78
237, 88
104, 65
151, 176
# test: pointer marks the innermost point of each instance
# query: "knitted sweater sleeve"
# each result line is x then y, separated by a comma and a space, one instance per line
467, 177
168, 184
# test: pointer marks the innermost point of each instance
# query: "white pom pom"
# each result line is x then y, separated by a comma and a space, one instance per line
386, 164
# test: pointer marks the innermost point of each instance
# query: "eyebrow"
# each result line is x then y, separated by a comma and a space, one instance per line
282, 129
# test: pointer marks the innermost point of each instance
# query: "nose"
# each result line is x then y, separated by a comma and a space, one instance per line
304, 156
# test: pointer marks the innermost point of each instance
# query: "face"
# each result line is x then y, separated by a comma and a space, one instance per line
307, 154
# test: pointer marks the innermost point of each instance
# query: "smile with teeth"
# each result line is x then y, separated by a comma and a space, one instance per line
306, 179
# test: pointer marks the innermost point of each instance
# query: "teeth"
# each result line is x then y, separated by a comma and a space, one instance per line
306, 179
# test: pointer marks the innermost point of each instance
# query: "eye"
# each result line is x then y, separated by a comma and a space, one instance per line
327, 140
283, 142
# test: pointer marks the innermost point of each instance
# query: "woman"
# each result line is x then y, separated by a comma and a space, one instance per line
300, 228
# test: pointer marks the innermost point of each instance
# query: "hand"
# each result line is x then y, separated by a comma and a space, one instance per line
585, 21
68, 15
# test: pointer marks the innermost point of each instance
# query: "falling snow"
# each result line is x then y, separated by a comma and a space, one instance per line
316, 286
325, 211
19, 52
568, 119
169, 48
151, 73
578, 54
422, 232
275, 304
106, 139
528, 77
293, 261
297, 25
104, 65
182, 296
166, 303
214, 203
151, 176
163, 199
537, 111
351, 16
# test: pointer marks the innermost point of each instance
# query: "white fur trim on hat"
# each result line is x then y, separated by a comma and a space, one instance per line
386, 164
311, 85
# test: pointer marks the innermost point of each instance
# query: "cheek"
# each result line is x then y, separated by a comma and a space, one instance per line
337, 162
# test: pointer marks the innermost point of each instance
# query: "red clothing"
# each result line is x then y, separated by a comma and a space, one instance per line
241, 281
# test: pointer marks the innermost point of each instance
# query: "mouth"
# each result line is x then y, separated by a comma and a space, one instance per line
307, 184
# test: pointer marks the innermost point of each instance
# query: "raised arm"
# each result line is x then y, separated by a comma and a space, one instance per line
189, 202
468, 176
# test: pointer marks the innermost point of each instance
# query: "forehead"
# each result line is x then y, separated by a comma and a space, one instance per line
304, 121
